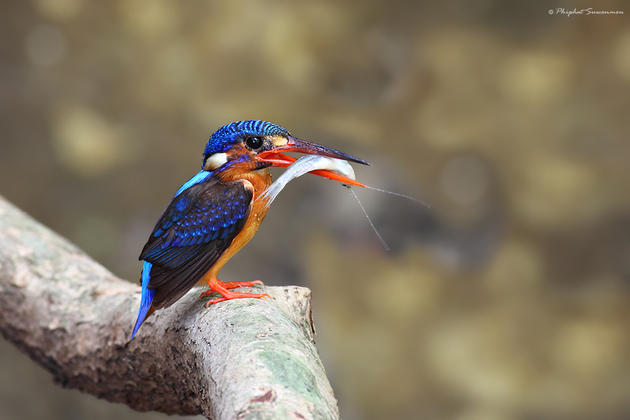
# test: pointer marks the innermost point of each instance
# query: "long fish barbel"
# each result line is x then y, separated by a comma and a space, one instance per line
315, 163
311, 163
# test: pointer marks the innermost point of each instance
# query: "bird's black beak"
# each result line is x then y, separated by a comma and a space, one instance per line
291, 144
303, 146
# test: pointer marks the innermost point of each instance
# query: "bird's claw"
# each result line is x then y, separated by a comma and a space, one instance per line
232, 285
223, 290
231, 296
235, 284
206, 293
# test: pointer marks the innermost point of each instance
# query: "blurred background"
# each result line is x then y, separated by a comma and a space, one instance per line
507, 299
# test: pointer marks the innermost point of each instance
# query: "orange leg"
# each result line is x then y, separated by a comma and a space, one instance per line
218, 286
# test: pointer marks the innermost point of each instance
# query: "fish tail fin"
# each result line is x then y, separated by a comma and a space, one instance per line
147, 298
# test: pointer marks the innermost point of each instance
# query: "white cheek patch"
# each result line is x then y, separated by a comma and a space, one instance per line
215, 161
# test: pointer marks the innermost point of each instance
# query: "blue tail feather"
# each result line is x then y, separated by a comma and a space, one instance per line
147, 297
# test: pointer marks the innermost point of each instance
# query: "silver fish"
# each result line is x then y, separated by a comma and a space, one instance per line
304, 165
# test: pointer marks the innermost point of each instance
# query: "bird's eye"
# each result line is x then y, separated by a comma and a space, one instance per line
254, 142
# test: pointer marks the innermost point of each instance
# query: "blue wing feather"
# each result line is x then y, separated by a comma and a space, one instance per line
196, 222
147, 297
198, 225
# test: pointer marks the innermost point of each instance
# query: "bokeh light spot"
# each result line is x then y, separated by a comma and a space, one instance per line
45, 45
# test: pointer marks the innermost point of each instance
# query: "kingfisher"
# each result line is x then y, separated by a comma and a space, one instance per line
217, 212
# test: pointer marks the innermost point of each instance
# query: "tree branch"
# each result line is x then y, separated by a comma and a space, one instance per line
246, 358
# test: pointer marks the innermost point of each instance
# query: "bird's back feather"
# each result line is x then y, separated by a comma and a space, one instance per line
196, 228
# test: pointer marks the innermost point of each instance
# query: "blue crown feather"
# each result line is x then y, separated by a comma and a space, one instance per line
222, 139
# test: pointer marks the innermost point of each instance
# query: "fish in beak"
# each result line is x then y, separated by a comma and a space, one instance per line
276, 157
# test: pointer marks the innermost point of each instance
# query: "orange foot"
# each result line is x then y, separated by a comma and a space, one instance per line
222, 288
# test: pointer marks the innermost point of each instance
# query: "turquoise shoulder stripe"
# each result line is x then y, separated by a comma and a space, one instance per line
198, 178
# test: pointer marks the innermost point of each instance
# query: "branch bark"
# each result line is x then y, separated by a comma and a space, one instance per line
243, 359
